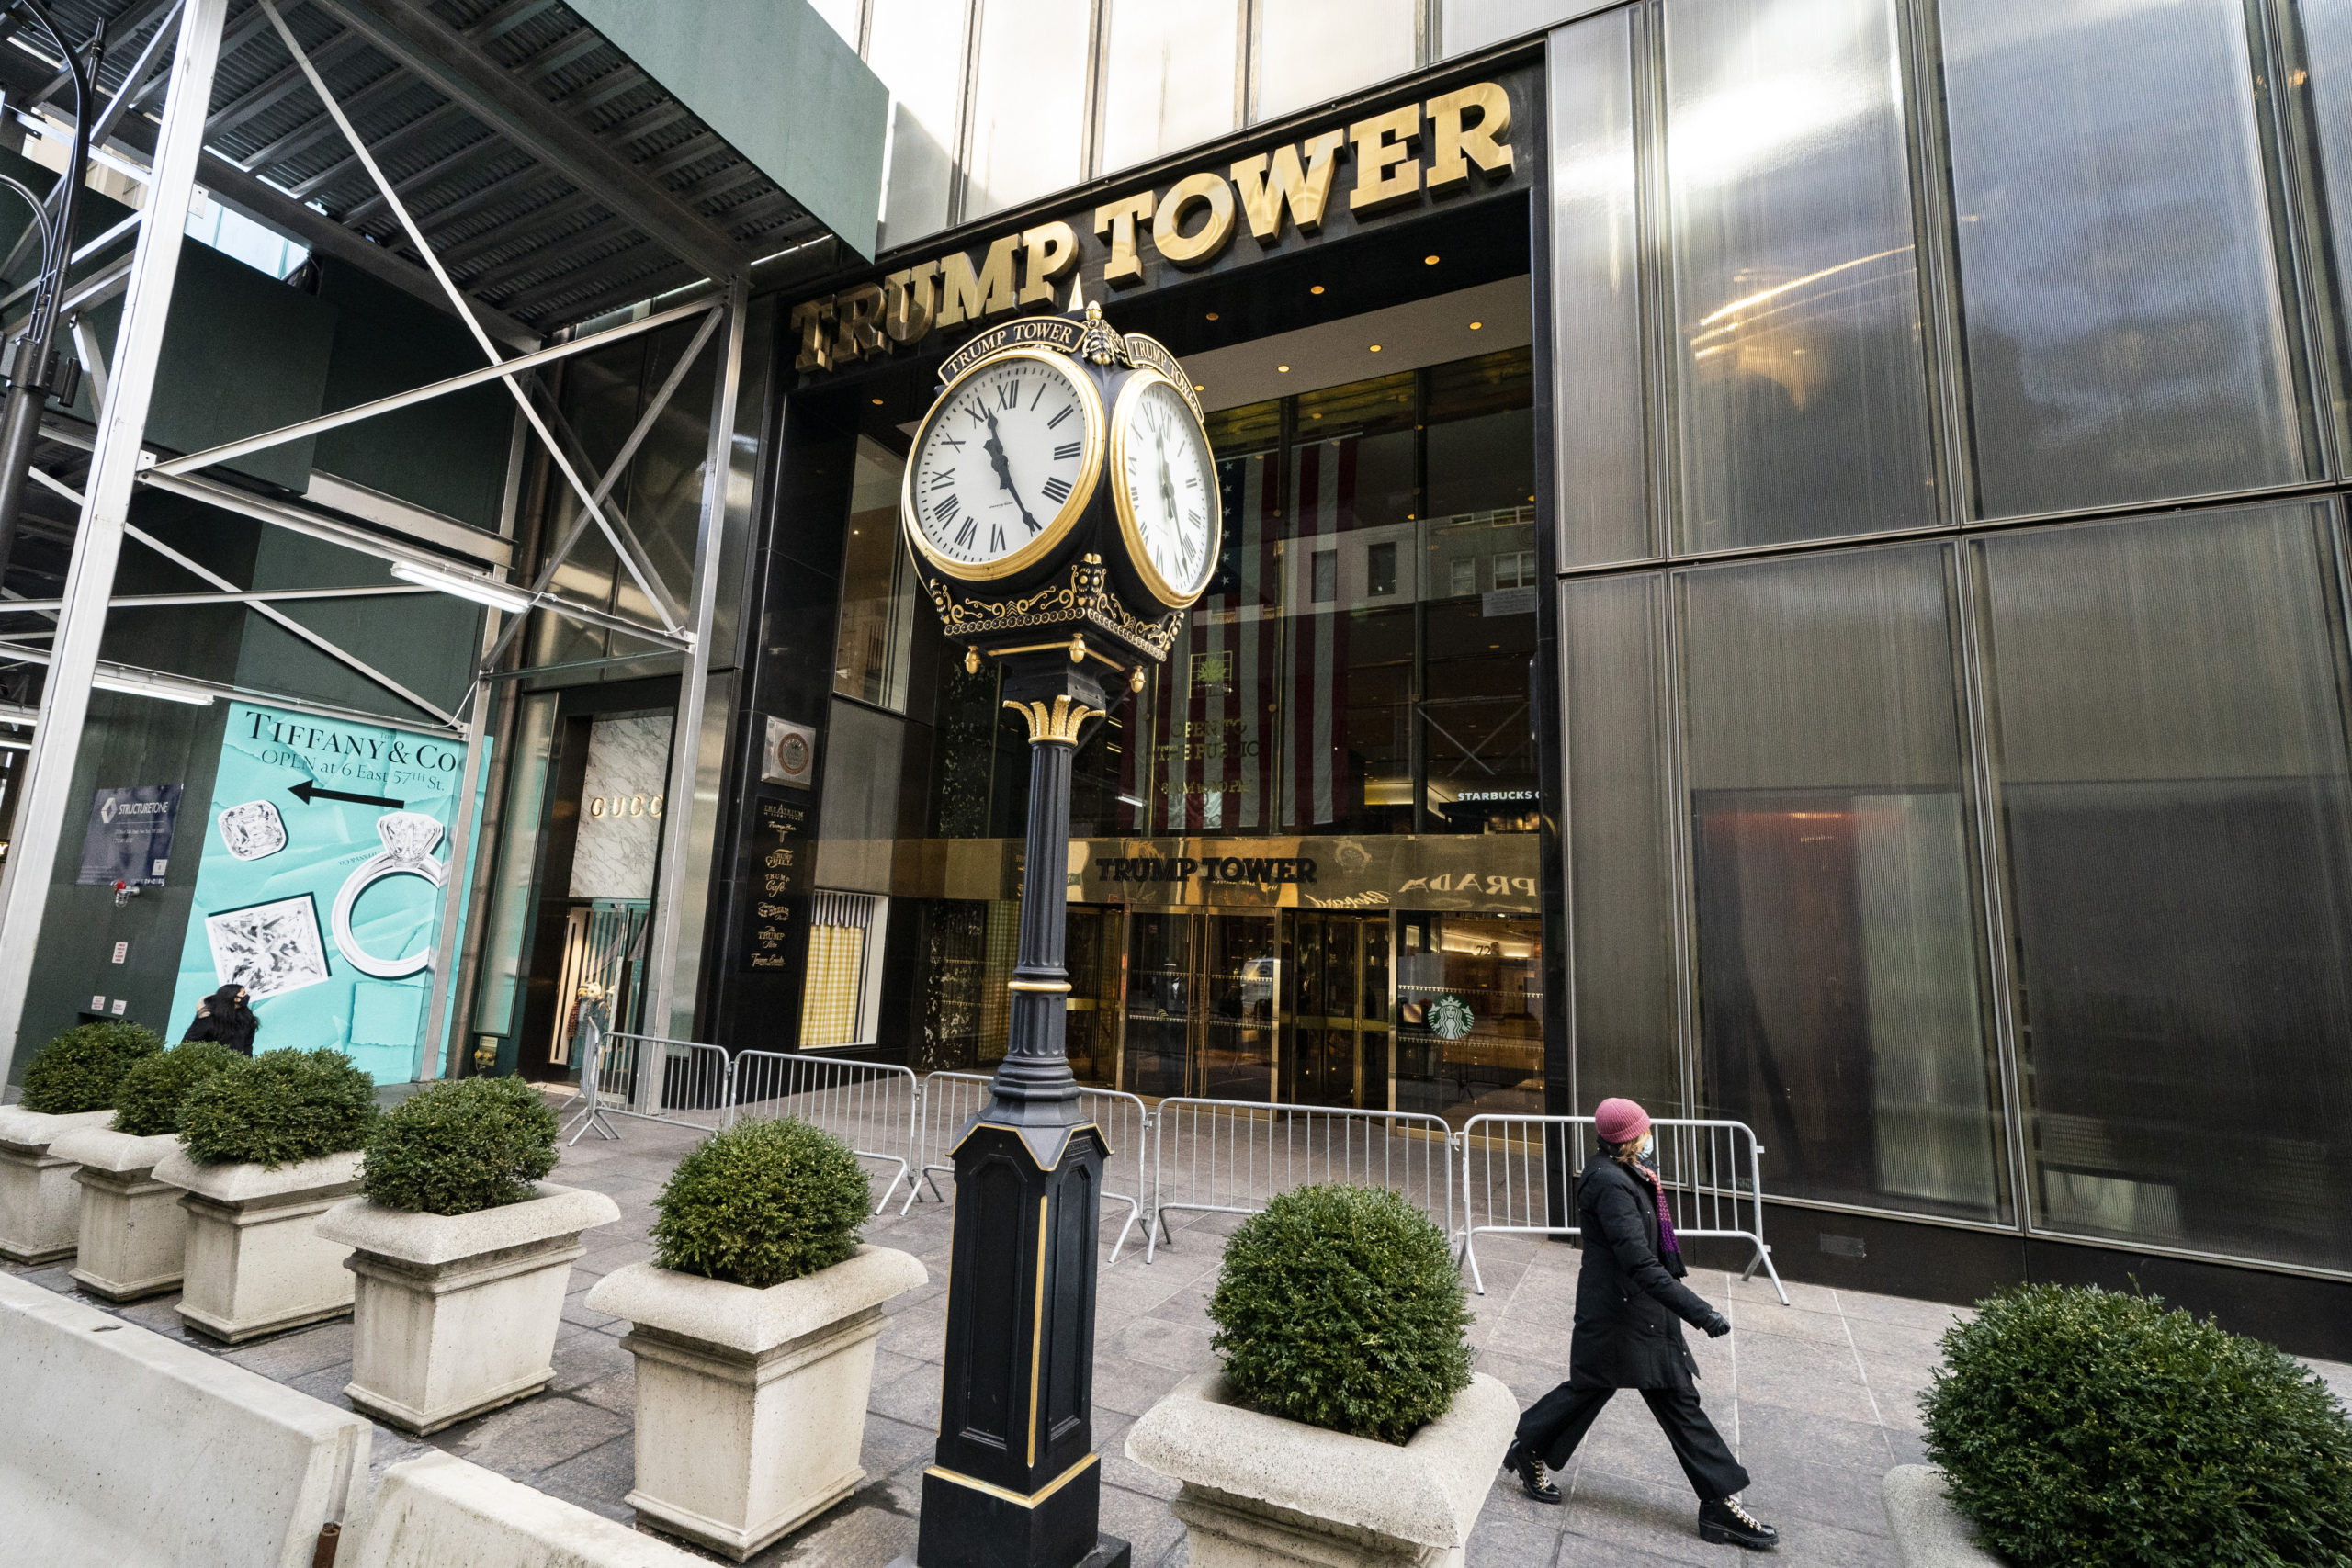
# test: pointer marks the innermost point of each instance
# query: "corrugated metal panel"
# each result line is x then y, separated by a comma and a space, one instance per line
514, 232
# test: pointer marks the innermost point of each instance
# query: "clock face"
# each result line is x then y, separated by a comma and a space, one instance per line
1165, 484
1004, 462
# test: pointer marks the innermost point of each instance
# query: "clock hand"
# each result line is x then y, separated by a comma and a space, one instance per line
1167, 493
994, 445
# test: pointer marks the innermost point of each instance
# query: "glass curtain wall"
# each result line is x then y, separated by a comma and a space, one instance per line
2001, 877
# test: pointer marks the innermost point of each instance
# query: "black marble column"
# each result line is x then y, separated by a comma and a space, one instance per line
1016, 1483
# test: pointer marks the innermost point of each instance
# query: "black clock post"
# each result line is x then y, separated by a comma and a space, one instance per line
1015, 1482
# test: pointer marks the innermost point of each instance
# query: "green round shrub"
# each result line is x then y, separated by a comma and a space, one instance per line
1340, 1307
279, 1108
82, 1068
148, 1104
461, 1146
2096, 1430
761, 1203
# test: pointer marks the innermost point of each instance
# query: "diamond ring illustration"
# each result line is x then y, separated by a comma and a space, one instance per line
409, 838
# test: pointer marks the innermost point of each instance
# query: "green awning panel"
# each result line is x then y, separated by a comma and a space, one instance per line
774, 79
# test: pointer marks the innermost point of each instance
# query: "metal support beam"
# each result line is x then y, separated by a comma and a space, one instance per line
288, 623
409, 33
465, 822
458, 299
89, 584
685, 742
496, 371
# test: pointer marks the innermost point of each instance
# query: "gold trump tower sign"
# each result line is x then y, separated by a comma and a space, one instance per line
1448, 145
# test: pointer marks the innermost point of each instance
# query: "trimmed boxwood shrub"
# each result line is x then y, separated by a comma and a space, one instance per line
82, 1068
279, 1108
1339, 1306
148, 1104
2088, 1428
761, 1203
460, 1146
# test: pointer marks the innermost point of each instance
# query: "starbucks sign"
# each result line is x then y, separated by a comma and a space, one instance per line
1449, 1018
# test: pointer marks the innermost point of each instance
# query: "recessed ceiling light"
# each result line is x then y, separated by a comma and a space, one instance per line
1315, 416
1476, 325
877, 402
1428, 261
1376, 348
1212, 315
1282, 368
1200, 386
1316, 289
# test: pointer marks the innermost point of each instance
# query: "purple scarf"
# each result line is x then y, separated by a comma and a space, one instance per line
1666, 1242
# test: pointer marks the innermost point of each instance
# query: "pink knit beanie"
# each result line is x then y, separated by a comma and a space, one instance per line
1620, 1121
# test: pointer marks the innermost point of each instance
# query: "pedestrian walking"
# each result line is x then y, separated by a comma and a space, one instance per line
223, 1016
1631, 1306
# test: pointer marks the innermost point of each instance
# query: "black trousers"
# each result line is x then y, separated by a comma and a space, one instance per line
1557, 1422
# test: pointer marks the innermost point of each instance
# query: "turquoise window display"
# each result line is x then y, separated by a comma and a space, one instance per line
320, 887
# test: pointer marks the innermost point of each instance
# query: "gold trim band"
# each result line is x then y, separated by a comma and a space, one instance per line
1030, 1501
1037, 1321
1073, 1132
1057, 986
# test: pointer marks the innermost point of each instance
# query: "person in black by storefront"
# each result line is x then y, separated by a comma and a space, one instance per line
1631, 1306
223, 1016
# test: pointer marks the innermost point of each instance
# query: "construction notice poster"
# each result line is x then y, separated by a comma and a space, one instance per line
325, 853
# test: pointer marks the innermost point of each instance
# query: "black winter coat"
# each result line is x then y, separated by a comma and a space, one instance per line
1631, 1306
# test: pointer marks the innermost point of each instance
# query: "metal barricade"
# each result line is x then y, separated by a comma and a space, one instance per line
1230, 1156
870, 1106
1518, 1172
652, 1079
950, 1100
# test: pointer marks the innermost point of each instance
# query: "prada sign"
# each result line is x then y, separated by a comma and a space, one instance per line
1331, 183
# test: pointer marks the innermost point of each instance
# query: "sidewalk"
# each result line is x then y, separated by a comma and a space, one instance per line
1817, 1398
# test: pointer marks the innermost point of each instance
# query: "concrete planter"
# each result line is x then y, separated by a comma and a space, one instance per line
1928, 1531
40, 1209
1260, 1492
256, 1264
456, 1313
751, 1404
134, 1238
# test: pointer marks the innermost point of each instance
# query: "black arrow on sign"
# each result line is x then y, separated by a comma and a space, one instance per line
306, 792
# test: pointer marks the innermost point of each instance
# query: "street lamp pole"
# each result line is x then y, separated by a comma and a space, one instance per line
31, 368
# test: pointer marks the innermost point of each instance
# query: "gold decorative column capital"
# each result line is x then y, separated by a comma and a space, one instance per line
1057, 721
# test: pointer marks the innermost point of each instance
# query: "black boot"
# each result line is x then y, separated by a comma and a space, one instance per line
1726, 1523
1530, 1470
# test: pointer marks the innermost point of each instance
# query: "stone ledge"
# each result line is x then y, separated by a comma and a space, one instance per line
30, 1132
1928, 1531
234, 1184
426, 1240
1428, 1490
437, 1510
116, 1153
753, 1322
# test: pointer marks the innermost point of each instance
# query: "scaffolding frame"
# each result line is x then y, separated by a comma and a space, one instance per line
705, 271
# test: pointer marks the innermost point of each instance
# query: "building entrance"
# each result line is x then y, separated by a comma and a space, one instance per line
1199, 1008
1335, 1011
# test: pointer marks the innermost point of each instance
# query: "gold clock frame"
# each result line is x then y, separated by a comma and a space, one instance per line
1051, 537
1168, 594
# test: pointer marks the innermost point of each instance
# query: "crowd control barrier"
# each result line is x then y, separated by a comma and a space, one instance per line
950, 1100
650, 1078
1517, 1173
1230, 1156
870, 1106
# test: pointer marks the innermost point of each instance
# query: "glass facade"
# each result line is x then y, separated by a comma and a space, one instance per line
1996, 873
1341, 734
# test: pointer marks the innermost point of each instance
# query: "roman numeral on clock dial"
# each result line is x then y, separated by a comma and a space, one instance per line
1000, 461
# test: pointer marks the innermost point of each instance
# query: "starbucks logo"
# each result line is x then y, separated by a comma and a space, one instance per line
1449, 1018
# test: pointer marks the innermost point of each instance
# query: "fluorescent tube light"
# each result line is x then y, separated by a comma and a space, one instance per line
170, 691
465, 585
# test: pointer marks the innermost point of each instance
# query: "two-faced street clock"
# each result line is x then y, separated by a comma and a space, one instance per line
1063, 478
1062, 506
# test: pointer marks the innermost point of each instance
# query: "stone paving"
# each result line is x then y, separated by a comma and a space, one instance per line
1818, 1397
